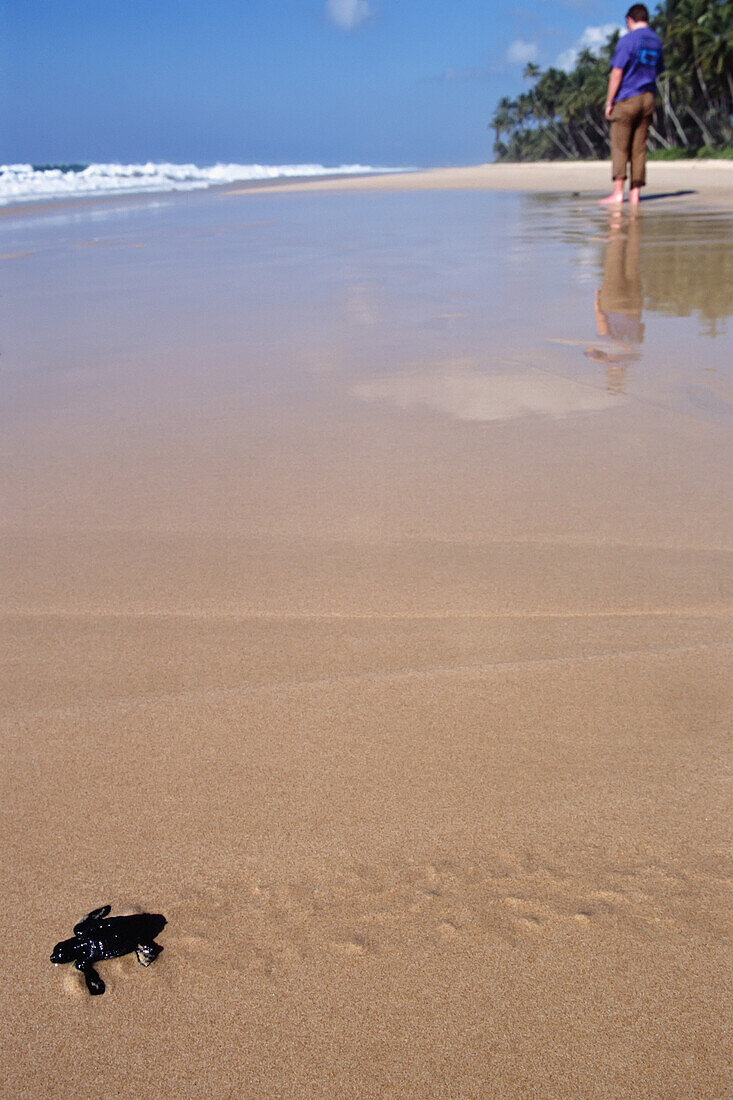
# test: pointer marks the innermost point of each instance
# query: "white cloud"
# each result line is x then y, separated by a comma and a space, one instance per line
593, 39
347, 14
521, 52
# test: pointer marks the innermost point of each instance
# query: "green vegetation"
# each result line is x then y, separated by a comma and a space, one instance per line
676, 152
561, 116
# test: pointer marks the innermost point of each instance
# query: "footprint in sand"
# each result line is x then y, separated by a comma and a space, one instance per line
608, 900
269, 927
449, 930
525, 916
351, 944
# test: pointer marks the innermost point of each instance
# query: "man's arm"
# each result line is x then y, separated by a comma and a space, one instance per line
614, 83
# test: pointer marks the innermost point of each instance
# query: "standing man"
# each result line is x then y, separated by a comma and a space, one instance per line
635, 66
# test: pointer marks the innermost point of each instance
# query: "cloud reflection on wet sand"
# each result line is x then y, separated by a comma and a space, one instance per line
469, 394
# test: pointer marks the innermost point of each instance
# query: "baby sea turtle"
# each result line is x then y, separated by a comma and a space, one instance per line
98, 937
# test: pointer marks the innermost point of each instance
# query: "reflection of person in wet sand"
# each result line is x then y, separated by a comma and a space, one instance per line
618, 304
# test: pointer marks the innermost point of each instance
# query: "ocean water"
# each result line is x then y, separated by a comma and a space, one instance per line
26, 182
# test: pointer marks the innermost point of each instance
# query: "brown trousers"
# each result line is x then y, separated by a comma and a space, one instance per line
630, 121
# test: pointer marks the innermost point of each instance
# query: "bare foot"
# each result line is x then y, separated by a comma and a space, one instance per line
634, 196
611, 200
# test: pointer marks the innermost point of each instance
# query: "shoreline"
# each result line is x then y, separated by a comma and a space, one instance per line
93, 197
706, 181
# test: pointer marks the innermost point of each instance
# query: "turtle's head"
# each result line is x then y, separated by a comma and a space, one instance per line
65, 951
154, 924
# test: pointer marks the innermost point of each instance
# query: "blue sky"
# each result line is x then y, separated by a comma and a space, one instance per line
395, 82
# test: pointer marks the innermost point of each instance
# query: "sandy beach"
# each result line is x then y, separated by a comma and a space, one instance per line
367, 559
706, 181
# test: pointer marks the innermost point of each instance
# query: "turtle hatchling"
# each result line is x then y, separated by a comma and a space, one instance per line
99, 936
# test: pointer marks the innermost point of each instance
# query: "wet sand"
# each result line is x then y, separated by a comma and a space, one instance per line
367, 581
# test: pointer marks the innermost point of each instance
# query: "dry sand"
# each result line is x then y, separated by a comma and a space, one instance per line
413, 725
707, 181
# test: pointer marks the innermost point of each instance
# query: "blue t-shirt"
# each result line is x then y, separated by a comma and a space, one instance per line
639, 54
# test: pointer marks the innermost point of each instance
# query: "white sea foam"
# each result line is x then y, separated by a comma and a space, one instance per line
25, 182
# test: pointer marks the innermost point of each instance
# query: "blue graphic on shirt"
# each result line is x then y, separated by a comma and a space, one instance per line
645, 56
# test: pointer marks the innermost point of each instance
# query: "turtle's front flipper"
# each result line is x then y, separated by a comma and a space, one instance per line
95, 985
147, 952
91, 918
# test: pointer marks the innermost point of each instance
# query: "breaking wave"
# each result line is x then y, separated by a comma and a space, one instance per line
25, 182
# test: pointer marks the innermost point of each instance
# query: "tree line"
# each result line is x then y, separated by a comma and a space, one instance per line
561, 116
